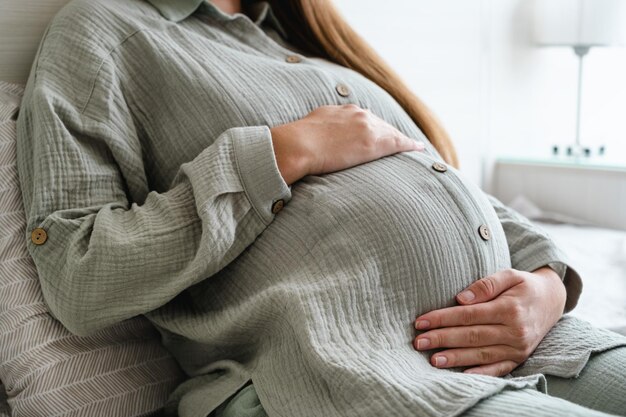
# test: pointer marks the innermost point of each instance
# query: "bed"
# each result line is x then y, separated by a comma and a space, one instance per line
131, 351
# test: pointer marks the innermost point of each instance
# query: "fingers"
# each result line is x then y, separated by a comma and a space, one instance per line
465, 336
498, 329
417, 145
486, 313
407, 144
396, 141
356, 135
478, 356
490, 287
493, 369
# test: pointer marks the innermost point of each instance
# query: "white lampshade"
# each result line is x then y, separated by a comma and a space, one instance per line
580, 22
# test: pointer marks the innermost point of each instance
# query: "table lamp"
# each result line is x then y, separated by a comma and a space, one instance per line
581, 25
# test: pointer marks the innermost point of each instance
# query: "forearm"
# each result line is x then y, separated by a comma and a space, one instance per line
107, 260
108, 266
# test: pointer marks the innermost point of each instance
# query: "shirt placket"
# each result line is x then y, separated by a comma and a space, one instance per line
262, 41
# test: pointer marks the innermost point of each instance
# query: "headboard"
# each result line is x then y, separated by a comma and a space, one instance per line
22, 23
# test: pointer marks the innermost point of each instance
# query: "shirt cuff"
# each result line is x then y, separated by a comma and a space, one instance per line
546, 253
256, 163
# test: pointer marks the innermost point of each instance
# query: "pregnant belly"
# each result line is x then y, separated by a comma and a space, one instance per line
386, 240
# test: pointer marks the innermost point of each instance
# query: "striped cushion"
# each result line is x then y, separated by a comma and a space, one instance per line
47, 371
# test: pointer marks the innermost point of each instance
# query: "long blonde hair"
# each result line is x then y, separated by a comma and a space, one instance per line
317, 27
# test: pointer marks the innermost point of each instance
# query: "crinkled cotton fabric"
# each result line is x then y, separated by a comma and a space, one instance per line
146, 156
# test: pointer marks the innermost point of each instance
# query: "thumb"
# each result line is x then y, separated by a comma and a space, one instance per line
489, 287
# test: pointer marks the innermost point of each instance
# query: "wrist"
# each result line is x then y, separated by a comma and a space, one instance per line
556, 287
292, 163
548, 272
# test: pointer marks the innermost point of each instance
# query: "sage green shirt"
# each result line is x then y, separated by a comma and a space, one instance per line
148, 175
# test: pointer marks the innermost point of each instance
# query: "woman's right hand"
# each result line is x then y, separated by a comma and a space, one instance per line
335, 137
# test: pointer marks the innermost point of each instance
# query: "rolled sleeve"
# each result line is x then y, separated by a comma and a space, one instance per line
263, 184
110, 248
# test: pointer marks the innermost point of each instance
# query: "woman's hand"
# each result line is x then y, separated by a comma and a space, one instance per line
332, 138
502, 319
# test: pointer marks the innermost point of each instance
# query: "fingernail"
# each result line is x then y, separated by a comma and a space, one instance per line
423, 343
422, 324
467, 296
441, 361
420, 144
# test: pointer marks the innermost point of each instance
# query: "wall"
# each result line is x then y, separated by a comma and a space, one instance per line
474, 63
533, 91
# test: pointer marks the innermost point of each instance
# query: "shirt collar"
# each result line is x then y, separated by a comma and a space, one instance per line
178, 10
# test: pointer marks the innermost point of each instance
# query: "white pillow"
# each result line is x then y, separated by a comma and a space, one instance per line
120, 371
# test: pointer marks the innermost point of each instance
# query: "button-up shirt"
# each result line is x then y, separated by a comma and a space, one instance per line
151, 188
176, 11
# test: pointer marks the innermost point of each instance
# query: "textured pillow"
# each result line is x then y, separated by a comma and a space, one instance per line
47, 371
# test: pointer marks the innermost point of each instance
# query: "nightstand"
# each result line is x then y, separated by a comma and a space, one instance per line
586, 189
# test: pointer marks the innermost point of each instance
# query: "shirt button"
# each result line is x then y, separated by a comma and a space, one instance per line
438, 166
484, 232
38, 236
293, 59
278, 206
343, 90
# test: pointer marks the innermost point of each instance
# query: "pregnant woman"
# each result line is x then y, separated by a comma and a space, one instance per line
252, 178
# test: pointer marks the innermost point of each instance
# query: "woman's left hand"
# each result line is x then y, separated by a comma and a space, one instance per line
501, 320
